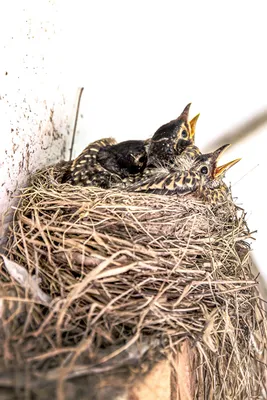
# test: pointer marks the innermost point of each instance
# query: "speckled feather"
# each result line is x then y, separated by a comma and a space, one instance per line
105, 163
86, 171
198, 179
124, 158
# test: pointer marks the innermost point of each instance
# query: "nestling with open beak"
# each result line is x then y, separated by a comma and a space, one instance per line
171, 149
203, 178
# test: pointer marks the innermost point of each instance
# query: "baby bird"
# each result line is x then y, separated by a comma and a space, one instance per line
105, 163
171, 139
179, 154
203, 178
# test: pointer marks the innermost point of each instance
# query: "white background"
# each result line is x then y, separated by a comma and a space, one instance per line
140, 63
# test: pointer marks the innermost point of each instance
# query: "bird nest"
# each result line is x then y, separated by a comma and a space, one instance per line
98, 281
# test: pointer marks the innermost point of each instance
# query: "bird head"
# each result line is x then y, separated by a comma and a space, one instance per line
206, 166
172, 138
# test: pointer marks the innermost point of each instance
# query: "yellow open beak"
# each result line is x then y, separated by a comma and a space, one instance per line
192, 124
223, 168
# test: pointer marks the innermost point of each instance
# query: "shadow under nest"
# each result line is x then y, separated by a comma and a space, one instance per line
119, 281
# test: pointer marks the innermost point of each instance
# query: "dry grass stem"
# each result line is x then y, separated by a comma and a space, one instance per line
129, 278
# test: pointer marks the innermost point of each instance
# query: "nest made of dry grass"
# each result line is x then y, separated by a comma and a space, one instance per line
128, 277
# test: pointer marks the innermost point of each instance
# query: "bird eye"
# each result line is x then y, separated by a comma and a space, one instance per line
184, 133
204, 170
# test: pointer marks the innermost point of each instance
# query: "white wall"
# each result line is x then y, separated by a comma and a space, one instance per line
140, 63
35, 106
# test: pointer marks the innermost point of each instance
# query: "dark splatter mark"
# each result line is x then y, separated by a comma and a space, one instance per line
27, 159
63, 150
55, 133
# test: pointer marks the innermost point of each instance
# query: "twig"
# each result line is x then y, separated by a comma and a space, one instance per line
75, 122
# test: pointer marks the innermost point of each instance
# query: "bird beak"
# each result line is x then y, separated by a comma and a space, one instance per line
215, 157
218, 171
192, 124
223, 168
185, 113
218, 153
